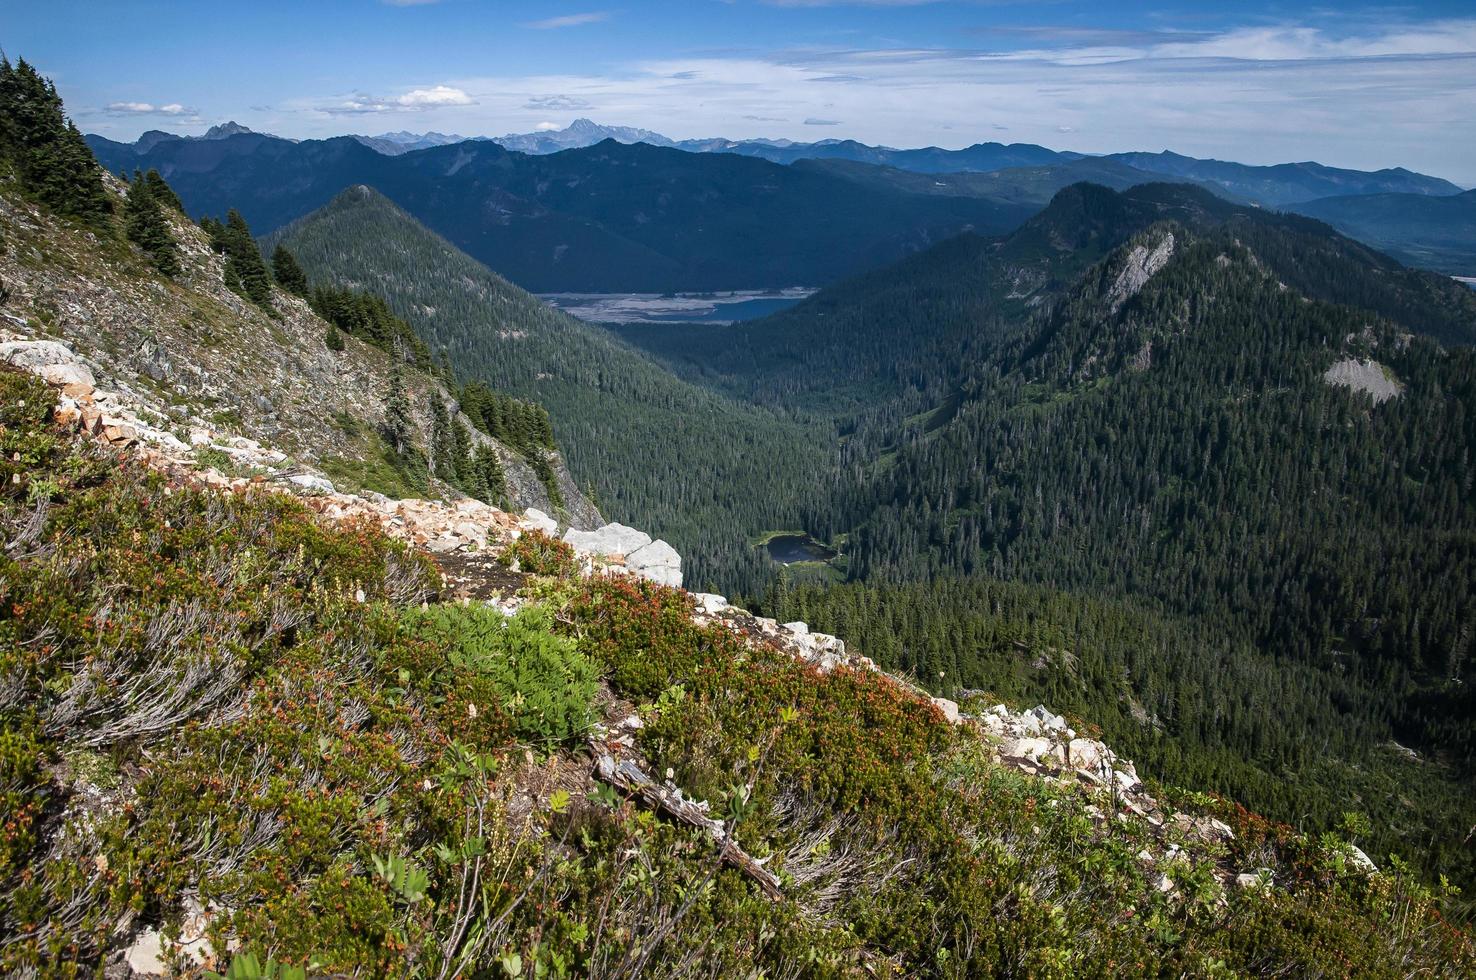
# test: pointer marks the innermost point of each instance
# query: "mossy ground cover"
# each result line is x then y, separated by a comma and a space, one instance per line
220, 700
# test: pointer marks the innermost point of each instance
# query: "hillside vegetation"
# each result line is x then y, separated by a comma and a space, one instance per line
658, 452
329, 779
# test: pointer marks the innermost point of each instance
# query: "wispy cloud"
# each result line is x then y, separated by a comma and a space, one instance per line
812, 121
569, 20
415, 100
148, 109
556, 103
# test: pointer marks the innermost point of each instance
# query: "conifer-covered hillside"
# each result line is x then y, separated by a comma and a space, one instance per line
658, 451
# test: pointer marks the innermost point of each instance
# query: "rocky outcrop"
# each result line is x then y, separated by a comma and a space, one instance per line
1367, 376
1140, 266
653, 560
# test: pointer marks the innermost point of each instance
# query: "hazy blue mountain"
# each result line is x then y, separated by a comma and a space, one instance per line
1033, 186
607, 218
979, 157
393, 144
1435, 232
579, 134
1286, 183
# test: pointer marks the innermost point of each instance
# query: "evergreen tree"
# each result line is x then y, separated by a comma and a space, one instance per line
162, 192
397, 413
148, 228
333, 339
289, 274
243, 260
48, 154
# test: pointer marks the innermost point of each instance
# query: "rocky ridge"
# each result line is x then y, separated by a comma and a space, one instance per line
190, 355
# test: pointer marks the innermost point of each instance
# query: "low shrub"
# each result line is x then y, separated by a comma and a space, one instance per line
513, 666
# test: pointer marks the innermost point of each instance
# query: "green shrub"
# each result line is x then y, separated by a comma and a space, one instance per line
539, 554
539, 680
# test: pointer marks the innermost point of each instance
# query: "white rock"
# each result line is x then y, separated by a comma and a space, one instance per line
658, 562
540, 521
798, 628
949, 709
1026, 748
67, 374
146, 955
308, 481
1048, 721
612, 539
35, 354
1085, 753
1361, 860
710, 603
1259, 879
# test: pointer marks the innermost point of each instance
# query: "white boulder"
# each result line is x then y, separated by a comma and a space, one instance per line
308, 481
36, 354
658, 562
62, 375
612, 539
540, 521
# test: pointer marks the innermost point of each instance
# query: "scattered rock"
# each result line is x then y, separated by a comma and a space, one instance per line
32, 355
1367, 376
949, 709
308, 481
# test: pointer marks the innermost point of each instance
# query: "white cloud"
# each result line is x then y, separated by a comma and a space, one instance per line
1395, 95
569, 20
439, 95
812, 121
414, 100
147, 109
548, 127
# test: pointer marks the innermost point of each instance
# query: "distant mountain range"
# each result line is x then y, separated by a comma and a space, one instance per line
1434, 232
607, 218
1013, 180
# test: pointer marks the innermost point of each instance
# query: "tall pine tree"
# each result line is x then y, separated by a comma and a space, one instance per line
289, 274
48, 154
148, 228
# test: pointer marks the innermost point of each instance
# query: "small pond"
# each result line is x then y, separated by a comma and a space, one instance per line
790, 548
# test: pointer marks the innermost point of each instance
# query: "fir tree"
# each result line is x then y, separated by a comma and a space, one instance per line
243, 259
49, 155
397, 413
289, 274
148, 228
162, 192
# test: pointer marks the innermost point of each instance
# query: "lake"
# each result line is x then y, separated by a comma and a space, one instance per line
790, 548
716, 309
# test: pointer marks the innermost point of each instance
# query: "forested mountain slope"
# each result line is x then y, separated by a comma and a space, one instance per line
608, 218
911, 330
1433, 232
658, 452
1179, 430
1131, 399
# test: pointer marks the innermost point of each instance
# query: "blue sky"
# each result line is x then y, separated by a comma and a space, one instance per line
1353, 85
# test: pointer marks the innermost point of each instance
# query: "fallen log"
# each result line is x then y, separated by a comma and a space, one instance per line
626, 775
